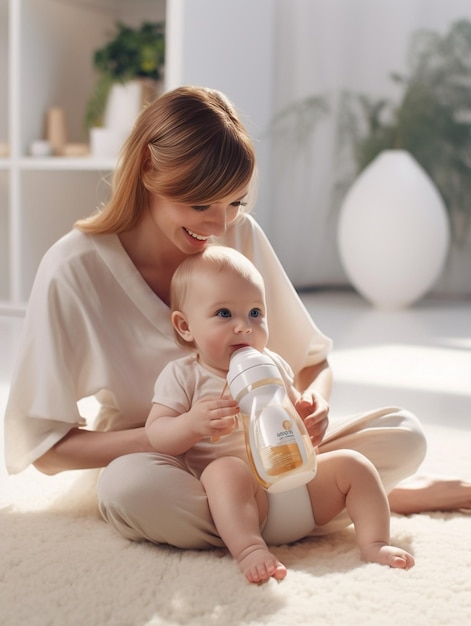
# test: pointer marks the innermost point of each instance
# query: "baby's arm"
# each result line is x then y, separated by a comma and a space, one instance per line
172, 433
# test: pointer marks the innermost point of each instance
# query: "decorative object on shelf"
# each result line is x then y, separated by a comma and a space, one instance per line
393, 231
40, 148
56, 130
76, 150
56, 143
107, 142
4, 149
125, 102
131, 66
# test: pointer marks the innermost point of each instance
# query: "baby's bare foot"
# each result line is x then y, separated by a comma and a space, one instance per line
259, 564
385, 554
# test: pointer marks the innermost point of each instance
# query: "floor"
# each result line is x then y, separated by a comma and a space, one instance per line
419, 357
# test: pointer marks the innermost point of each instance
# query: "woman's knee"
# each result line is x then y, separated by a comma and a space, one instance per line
410, 442
150, 496
123, 488
401, 449
392, 438
125, 483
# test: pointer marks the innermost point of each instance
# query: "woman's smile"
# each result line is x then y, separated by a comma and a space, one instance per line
196, 241
195, 235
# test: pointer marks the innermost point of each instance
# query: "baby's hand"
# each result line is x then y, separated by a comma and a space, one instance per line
314, 411
214, 417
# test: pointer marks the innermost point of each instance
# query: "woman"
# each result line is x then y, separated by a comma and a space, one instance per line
98, 323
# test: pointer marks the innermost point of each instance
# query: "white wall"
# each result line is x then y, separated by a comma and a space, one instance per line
266, 55
323, 48
228, 45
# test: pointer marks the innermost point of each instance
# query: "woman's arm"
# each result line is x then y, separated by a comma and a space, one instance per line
315, 385
83, 449
316, 378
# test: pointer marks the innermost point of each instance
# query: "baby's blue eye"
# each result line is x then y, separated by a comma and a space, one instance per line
255, 313
223, 313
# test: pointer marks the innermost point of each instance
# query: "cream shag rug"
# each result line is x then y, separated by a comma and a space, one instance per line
61, 565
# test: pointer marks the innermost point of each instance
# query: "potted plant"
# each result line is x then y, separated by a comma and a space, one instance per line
431, 120
429, 123
133, 54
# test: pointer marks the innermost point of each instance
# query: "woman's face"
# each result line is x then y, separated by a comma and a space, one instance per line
188, 227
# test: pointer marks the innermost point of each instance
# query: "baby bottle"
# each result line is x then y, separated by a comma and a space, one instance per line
279, 448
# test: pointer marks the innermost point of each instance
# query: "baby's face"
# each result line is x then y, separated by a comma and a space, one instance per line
225, 312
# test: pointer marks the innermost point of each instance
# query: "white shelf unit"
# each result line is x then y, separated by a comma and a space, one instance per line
46, 51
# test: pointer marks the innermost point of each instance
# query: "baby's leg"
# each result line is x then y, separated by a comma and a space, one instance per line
348, 479
238, 504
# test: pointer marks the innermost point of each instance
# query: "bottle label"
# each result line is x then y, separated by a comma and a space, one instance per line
276, 441
286, 434
278, 445
275, 426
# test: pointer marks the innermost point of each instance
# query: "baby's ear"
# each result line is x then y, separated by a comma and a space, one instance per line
180, 324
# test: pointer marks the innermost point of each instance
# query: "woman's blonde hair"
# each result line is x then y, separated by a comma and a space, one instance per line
217, 258
188, 145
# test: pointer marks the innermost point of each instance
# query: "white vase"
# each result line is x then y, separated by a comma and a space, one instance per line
107, 142
393, 231
125, 102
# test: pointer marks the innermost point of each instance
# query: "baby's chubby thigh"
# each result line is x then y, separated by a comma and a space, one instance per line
317, 508
337, 472
229, 477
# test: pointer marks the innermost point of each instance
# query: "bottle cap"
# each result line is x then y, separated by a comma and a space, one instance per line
249, 366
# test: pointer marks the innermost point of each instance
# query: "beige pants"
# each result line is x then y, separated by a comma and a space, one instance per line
154, 497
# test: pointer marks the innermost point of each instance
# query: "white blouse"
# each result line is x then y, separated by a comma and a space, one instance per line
93, 325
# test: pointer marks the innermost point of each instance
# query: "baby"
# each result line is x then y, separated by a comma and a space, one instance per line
218, 306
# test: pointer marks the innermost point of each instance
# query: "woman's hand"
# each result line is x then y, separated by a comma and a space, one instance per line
315, 384
314, 411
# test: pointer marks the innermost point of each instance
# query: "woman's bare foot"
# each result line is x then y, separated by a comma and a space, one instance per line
385, 554
421, 494
259, 564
